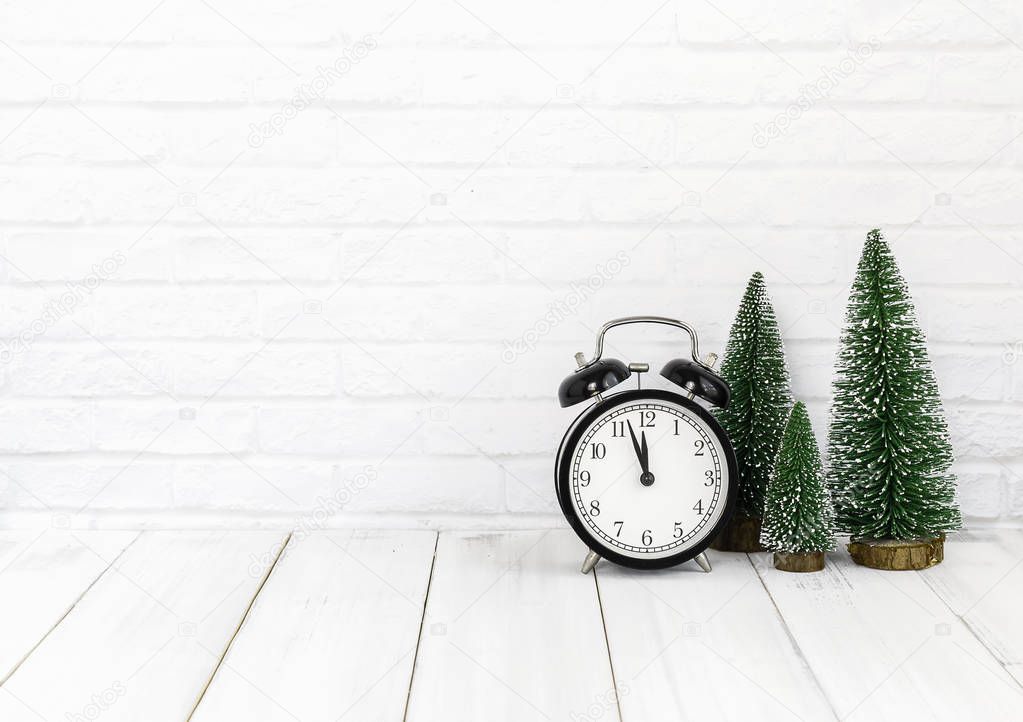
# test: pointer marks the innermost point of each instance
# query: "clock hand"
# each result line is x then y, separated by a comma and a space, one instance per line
642, 453
635, 445
647, 477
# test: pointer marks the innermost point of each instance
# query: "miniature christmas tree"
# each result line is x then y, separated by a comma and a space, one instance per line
888, 443
754, 367
798, 523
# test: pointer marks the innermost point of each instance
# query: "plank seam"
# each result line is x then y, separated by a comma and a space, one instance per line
71, 608
422, 623
607, 645
238, 628
995, 655
793, 642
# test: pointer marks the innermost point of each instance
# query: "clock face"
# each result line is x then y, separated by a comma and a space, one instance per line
647, 476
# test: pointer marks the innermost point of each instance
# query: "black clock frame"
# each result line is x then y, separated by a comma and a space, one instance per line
563, 476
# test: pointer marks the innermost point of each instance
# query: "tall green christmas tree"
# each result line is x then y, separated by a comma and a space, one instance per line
888, 443
798, 517
754, 367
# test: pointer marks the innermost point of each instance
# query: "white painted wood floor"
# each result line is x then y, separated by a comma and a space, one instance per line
393, 625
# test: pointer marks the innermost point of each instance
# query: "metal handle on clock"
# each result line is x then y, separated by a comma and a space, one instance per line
626, 320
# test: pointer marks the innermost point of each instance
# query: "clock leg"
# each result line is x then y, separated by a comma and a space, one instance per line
703, 561
590, 561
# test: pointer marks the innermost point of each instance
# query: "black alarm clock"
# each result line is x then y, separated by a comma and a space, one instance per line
646, 478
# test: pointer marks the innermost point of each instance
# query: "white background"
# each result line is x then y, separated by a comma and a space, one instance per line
289, 322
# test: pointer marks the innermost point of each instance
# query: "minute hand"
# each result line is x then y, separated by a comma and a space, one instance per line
641, 452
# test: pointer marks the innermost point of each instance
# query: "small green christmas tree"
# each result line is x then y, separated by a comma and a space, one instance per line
754, 367
888, 445
798, 518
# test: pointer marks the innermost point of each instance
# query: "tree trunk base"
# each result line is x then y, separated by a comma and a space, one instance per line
742, 534
809, 562
898, 555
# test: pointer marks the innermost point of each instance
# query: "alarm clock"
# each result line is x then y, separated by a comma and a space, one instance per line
646, 478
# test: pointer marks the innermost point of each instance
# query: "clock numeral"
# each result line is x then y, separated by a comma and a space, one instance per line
698, 507
599, 451
618, 531
676, 426
618, 429
584, 478
595, 508
646, 419
678, 530
699, 444
647, 539
710, 477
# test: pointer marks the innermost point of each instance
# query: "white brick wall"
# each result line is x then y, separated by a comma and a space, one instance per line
290, 307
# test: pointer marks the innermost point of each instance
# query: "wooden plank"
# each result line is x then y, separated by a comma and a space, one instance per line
143, 642
689, 645
42, 576
333, 633
513, 631
982, 581
884, 646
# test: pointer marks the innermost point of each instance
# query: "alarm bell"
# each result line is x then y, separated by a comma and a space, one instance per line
698, 380
598, 375
592, 379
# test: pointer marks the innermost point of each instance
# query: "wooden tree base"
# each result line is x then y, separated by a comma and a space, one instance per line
809, 562
742, 534
896, 555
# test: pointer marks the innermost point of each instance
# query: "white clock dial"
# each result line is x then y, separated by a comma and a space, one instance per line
649, 478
